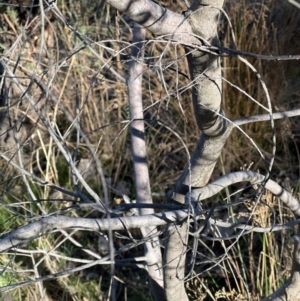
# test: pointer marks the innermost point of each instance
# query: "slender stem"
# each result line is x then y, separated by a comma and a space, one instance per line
139, 158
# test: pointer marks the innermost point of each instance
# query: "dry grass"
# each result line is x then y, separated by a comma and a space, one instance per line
80, 80
259, 28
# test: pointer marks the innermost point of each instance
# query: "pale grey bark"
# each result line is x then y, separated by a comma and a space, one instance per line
28, 232
159, 20
205, 70
198, 27
139, 158
244, 176
56, 223
266, 117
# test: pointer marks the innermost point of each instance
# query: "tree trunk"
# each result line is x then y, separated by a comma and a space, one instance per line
139, 158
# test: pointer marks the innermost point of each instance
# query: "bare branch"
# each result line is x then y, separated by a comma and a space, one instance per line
205, 70
139, 158
266, 117
157, 19
243, 176
46, 224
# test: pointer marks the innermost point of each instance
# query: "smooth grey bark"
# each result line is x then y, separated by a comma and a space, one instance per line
45, 225
289, 291
139, 158
205, 70
28, 232
206, 73
159, 20
201, 20
244, 176
163, 22
266, 117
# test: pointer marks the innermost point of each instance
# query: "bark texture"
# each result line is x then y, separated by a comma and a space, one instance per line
205, 73
198, 27
139, 158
